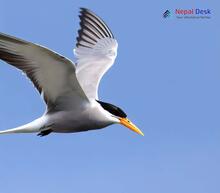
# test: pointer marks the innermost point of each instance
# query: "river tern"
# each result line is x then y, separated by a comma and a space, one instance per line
70, 90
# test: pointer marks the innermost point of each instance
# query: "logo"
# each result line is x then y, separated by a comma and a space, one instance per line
191, 13
166, 14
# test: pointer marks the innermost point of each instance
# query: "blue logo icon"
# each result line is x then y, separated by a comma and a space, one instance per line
166, 14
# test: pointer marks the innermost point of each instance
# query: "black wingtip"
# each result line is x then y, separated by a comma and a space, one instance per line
92, 28
84, 10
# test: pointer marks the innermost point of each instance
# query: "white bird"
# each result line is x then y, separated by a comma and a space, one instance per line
70, 90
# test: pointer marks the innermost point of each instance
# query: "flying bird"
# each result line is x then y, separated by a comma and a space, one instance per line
70, 90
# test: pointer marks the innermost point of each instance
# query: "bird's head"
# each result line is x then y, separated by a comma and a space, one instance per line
120, 115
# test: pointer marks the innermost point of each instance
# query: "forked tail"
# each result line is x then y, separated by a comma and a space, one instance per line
32, 127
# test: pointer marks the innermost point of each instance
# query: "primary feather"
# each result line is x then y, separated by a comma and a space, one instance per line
52, 74
96, 50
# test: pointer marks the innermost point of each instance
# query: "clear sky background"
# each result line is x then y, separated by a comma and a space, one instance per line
166, 78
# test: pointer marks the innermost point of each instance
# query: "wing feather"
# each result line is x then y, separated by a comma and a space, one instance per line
53, 75
96, 50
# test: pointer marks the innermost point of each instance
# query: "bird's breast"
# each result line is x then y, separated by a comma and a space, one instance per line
78, 120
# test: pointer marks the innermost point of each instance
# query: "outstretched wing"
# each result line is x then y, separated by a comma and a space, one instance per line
53, 75
96, 50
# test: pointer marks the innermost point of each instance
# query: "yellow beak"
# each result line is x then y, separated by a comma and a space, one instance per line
127, 123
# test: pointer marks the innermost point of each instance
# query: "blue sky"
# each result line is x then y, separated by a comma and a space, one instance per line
166, 78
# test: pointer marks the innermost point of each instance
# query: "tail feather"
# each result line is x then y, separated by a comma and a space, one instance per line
33, 127
21, 129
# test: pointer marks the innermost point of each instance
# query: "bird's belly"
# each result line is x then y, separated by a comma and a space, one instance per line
75, 126
63, 122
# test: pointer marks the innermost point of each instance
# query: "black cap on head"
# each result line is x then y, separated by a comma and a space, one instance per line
112, 109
